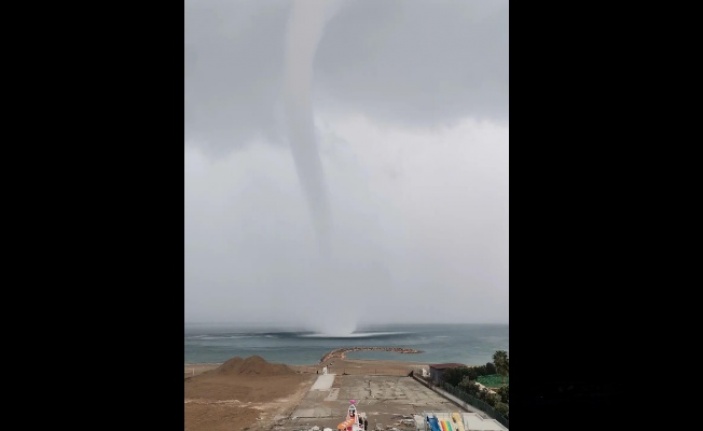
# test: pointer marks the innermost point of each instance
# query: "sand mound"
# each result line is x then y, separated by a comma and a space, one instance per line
252, 365
231, 366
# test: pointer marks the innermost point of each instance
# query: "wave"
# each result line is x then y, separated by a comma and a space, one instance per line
220, 336
355, 335
298, 335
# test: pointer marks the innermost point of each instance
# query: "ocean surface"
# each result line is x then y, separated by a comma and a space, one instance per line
470, 344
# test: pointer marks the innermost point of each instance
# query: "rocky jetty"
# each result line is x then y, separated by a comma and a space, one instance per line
341, 353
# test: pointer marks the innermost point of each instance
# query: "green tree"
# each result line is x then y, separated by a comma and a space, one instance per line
500, 359
491, 368
490, 399
469, 386
466, 383
504, 393
502, 408
454, 376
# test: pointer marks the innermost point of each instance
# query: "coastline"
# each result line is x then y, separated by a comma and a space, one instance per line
337, 357
340, 353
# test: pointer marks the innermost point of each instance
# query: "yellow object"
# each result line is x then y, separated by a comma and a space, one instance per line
457, 422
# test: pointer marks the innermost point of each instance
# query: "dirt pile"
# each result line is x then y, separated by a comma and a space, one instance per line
252, 365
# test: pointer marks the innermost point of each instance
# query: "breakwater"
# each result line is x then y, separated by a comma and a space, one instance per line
341, 352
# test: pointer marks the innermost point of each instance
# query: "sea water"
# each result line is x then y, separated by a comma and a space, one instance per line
471, 344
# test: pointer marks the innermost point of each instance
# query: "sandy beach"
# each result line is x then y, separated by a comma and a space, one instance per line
250, 393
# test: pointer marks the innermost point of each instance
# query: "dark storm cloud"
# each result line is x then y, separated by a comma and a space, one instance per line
416, 63
234, 60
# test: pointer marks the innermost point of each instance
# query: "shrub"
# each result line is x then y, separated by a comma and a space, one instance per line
502, 408
504, 393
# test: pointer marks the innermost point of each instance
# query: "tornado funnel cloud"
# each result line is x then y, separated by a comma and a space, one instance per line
305, 27
329, 280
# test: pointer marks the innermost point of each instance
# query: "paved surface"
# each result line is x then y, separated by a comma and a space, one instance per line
386, 401
323, 382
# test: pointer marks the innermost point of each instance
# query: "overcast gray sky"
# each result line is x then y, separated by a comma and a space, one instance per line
346, 161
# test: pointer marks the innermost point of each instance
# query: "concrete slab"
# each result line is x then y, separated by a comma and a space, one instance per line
304, 413
332, 396
478, 422
388, 400
313, 412
323, 382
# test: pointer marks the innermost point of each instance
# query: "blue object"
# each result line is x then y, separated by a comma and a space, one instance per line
434, 425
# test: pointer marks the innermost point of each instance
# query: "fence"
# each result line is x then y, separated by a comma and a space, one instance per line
479, 404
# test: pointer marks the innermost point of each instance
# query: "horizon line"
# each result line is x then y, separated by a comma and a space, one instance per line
363, 324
